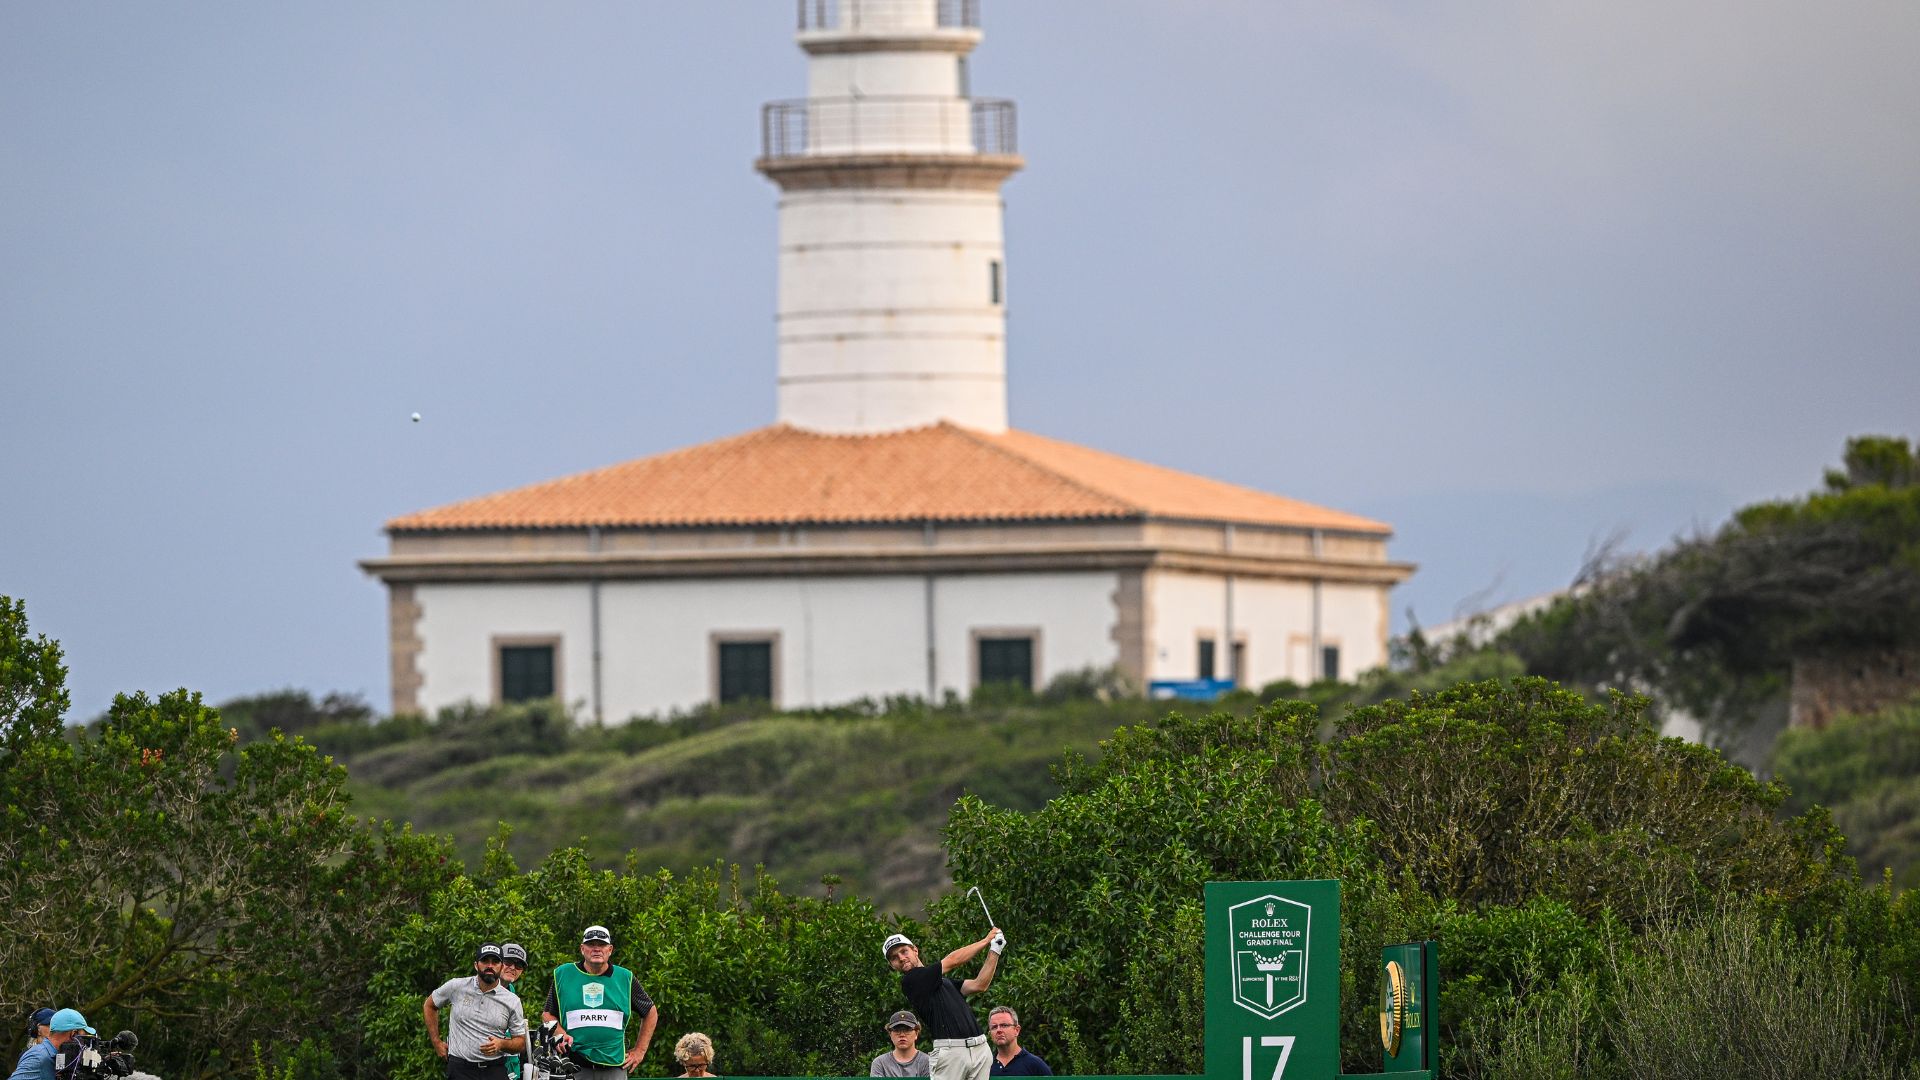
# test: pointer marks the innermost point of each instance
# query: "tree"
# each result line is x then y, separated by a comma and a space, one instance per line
1715, 623
1499, 814
1507, 792
164, 876
785, 985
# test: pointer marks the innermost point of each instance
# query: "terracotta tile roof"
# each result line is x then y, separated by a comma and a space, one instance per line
781, 475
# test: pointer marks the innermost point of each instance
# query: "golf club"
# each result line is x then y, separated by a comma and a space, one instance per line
975, 890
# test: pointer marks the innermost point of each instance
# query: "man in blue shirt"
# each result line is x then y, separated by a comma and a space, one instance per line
37, 1062
37, 1025
1003, 1031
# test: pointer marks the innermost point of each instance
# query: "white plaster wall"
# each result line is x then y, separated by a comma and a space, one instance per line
893, 404
1181, 606
838, 638
871, 74
890, 216
459, 622
1074, 611
1354, 616
1273, 617
1271, 613
886, 313
888, 14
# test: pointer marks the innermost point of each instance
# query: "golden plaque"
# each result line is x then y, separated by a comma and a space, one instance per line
1393, 1006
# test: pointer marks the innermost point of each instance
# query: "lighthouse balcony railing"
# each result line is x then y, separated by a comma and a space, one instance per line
881, 125
888, 15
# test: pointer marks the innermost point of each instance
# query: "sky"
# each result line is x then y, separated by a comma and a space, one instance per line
1513, 277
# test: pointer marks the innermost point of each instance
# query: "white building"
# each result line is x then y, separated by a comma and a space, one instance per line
889, 534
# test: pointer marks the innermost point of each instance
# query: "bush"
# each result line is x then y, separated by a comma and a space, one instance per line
1737, 995
1523, 826
1502, 792
786, 986
1866, 770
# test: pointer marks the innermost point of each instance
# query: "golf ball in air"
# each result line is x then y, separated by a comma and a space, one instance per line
416, 418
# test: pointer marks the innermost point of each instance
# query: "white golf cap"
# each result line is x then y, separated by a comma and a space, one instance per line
596, 933
893, 942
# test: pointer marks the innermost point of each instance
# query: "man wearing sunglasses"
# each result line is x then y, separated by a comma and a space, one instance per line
481, 1007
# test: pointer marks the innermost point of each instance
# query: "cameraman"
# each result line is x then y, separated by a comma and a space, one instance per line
37, 1025
37, 1062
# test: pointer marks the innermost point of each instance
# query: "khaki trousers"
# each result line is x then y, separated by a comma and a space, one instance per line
962, 1059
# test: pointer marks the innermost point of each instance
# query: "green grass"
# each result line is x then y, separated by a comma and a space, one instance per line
858, 794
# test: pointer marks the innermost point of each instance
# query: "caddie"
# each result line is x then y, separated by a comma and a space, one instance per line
595, 1000
959, 1046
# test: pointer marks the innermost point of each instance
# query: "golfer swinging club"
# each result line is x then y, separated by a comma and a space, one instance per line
960, 1050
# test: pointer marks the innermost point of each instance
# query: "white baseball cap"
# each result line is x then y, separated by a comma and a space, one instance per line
893, 942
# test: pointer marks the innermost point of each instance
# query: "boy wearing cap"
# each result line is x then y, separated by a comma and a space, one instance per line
41, 1061
905, 1059
959, 1046
513, 964
481, 1007
594, 1000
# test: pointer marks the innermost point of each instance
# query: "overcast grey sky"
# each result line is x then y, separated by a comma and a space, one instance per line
1510, 276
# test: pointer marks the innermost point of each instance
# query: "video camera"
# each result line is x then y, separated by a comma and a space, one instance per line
547, 1059
85, 1057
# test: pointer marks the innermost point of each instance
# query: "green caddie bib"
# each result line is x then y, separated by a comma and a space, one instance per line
593, 1009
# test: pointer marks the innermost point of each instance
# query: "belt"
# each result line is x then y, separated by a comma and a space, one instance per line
976, 1040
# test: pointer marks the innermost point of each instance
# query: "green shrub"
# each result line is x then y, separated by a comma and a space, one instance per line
1737, 995
785, 985
1866, 770
1558, 1032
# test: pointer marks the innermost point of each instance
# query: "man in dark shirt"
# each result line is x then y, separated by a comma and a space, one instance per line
959, 1047
1003, 1031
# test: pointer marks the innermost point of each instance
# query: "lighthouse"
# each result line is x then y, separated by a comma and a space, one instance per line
888, 534
892, 265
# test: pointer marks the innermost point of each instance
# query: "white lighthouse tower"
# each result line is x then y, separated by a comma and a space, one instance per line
891, 534
893, 281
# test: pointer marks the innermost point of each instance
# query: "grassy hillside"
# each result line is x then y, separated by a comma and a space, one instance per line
859, 793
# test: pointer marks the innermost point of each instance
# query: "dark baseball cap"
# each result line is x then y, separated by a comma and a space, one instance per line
903, 1019
488, 951
43, 1016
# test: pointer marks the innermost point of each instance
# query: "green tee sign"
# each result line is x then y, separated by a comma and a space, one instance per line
1409, 983
1273, 980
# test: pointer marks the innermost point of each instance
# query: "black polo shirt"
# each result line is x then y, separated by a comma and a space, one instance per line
938, 1000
